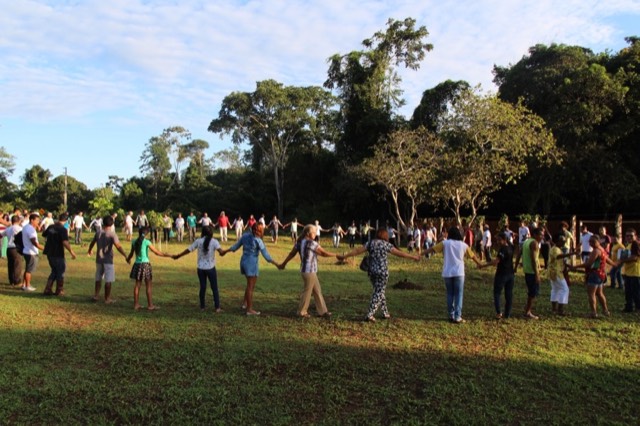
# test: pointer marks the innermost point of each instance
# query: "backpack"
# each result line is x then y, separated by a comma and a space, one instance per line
17, 240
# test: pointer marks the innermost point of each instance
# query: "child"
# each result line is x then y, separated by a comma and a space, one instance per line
141, 269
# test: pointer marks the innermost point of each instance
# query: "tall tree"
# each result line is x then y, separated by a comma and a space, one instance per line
272, 119
490, 143
435, 103
155, 163
368, 84
34, 181
7, 166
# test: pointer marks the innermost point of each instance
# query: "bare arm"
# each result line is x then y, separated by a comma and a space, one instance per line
157, 252
69, 249
352, 253
399, 253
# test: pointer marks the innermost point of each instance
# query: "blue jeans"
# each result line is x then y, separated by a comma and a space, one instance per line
455, 293
203, 274
616, 276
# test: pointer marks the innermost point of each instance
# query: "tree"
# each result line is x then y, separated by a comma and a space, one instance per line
7, 164
195, 151
132, 195
404, 164
102, 202
489, 143
34, 181
271, 119
368, 84
155, 163
78, 195
435, 103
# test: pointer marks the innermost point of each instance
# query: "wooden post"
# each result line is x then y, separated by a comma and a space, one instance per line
618, 230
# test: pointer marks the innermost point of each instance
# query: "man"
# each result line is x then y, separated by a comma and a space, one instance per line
77, 225
205, 220
57, 241
47, 222
191, 226
105, 239
223, 224
128, 225
179, 223
531, 268
141, 220
14, 259
30, 250
486, 243
585, 236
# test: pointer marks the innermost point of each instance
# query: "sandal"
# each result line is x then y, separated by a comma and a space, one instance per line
370, 319
152, 308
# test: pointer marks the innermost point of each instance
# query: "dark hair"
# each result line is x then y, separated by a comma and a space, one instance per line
142, 233
454, 234
63, 217
107, 221
207, 233
536, 231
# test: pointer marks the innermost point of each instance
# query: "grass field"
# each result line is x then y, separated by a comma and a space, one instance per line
69, 360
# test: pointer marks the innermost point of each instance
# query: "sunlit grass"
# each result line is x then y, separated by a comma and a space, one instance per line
73, 361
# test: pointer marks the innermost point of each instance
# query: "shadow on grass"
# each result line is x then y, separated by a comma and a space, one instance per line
60, 377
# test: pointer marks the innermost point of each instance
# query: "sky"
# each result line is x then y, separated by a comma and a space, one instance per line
84, 84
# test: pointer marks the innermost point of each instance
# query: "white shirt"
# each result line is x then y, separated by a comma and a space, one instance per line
584, 242
523, 233
453, 252
486, 238
10, 232
206, 260
179, 223
78, 221
128, 221
29, 232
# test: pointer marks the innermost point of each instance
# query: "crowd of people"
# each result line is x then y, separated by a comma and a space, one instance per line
531, 247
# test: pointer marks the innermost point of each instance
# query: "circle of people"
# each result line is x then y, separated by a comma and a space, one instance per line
597, 252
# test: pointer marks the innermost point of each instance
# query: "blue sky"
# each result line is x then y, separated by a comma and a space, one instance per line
85, 84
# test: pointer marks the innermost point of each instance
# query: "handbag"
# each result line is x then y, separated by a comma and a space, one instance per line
364, 263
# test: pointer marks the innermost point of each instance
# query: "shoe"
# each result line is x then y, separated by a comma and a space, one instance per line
459, 321
326, 315
253, 313
386, 316
304, 316
531, 316
498, 316
370, 319
28, 288
243, 307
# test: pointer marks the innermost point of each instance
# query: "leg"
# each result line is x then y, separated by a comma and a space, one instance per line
202, 278
591, 295
248, 294
98, 287
136, 295
213, 282
148, 283
107, 292
378, 294
635, 292
508, 296
448, 282
458, 296
498, 285
321, 306
602, 299
305, 294
628, 293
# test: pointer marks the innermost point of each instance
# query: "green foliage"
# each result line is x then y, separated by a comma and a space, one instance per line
435, 103
101, 203
7, 163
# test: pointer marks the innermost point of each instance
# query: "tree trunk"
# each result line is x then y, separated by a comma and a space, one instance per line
279, 180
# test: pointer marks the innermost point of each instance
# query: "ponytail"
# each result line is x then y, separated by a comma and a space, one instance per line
141, 236
207, 233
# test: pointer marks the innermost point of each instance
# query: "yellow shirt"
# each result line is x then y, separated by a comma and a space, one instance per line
614, 251
556, 266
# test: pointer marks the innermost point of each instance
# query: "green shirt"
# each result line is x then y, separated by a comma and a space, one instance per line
191, 221
143, 257
529, 266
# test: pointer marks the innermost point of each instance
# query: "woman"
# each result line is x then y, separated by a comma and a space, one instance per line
141, 270
206, 246
595, 274
630, 258
252, 245
557, 276
309, 250
378, 249
504, 278
454, 250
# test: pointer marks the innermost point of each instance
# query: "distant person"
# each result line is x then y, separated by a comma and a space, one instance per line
557, 271
167, 225
142, 221
352, 232
191, 226
14, 258
337, 233
223, 225
629, 260
179, 224
615, 273
531, 268
504, 278
128, 226
595, 276
57, 240
238, 226
77, 225
30, 250
586, 248
205, 220
275, 226
105, 240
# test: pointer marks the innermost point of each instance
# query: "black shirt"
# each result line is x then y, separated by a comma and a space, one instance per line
55, 235
505, 265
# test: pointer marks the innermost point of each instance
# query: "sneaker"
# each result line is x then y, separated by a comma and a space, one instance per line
459, 321
28, 288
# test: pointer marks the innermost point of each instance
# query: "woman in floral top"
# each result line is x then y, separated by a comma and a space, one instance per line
378, 249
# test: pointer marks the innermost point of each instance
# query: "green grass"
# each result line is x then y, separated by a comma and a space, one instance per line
71, 361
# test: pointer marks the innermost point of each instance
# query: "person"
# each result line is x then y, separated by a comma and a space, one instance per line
523, 235
141, 270
77, 225
352, 231
595, 275
630, 262
378, 250
417, 238
392, 234
319, 229
166, 227
252, 245
585, 236
309, 251
206, 269
545, 246
106, 239
238, 226
294, 228
454, 250
337, 234
275, 225
504, 278
30, 250
47, 222
615, 273
96, 224
605, 240
57, 240
223, 225
142, 221
365, 228
262, 220
14, 259
531, 268
205, 220
128, 226
250, 222
486, 242
179, 224
191, 226
558, 276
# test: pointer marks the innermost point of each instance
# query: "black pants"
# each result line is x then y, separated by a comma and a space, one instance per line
14, 265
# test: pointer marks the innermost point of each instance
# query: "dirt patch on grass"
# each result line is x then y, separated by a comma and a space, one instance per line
407, 285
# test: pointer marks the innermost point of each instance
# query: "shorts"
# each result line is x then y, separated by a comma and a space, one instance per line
141, 272
533, 288
58, 267
559, 291
30, 263
105, 271
594, 280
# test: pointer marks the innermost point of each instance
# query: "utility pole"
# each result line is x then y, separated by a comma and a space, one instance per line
64, 201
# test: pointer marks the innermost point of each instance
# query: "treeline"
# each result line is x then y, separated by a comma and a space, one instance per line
561, 135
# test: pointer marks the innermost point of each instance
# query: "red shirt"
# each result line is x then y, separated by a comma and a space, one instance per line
223, 221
